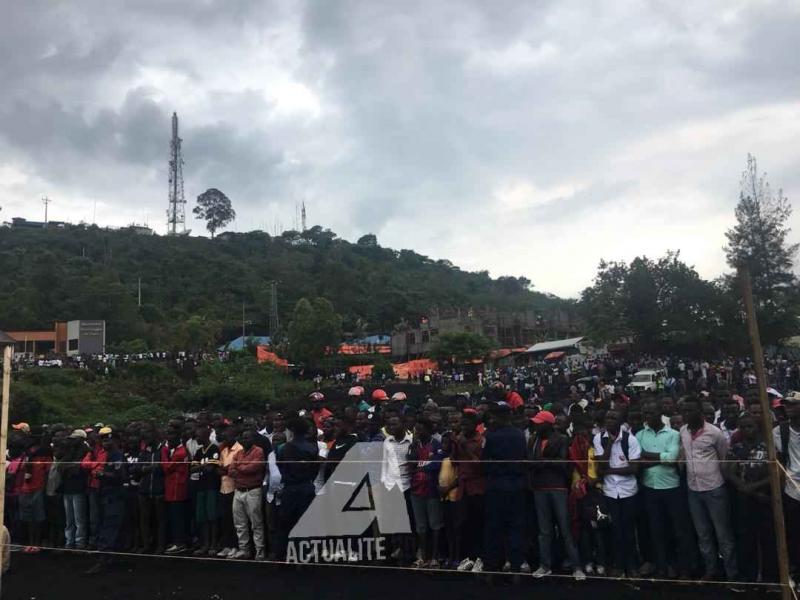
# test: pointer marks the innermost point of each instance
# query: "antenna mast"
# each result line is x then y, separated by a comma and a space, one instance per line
46, 201
303, 215
176, 213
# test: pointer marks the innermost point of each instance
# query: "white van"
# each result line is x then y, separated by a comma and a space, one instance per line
646, 380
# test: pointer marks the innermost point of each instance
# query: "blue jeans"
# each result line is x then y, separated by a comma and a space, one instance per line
551, 510
711, 516
75, 530
112, 503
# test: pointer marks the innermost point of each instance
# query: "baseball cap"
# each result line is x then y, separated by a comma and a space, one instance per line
22, 427
792, 397
105, 431
379, 395
78, 434
544, 416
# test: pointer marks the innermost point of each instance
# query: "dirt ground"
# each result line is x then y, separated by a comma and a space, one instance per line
61, 576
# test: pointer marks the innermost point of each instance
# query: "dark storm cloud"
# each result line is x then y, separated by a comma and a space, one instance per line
443, 126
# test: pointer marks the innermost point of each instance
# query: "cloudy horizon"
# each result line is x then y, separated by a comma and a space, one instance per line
526, 139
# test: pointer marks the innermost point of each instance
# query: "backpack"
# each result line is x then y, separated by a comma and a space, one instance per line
625, 443
785, 455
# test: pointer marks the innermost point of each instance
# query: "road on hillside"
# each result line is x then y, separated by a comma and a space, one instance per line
60, 576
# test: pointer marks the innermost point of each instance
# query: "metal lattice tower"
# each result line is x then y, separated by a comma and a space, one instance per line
176, 213
303, 215
273, 309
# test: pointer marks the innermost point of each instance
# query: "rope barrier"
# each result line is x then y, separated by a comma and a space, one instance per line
455, 462
697, 582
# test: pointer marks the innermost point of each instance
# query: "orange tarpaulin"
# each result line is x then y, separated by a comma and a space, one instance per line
264, 355
414, 367
362, 370
401, 370
364, 349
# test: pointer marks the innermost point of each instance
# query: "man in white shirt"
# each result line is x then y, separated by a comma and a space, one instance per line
396, 468
615, 452
787, 444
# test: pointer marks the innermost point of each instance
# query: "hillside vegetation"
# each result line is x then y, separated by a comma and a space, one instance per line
193, 288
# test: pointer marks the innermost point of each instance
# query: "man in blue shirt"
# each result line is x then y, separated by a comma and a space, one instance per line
506, 483
664, 504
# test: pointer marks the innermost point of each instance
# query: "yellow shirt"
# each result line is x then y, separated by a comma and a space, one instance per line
447, 477
226, 455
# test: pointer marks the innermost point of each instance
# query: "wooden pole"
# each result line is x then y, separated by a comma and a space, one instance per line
774, 473
7, 353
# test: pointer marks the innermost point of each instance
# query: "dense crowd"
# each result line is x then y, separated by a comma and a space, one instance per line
670, 484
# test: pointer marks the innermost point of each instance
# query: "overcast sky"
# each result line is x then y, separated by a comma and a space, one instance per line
526, 138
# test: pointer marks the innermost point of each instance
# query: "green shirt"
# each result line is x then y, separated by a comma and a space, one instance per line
667, 444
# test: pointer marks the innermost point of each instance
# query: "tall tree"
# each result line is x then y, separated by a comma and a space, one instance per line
759, 241
460, 347
315, 327
215, 208
603, 305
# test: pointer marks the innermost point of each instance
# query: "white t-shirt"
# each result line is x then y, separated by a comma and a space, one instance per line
619, 486
792, 488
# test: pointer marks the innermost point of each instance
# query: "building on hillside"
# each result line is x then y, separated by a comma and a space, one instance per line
67, 338
505, 329
556, 350
20, 223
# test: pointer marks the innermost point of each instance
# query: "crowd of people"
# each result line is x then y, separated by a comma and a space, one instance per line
595, 481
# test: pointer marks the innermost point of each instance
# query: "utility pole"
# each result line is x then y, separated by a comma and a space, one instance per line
45, 201
273, 309
8, 352
140, 292
243, 325
774, 473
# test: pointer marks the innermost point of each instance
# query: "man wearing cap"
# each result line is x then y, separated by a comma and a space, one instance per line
93, 463
111, 495
550, 473
318, 411
35, 466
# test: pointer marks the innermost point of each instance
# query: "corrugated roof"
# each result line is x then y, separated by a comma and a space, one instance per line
240, 342
554, 345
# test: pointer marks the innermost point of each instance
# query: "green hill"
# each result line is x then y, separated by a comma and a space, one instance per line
194, 282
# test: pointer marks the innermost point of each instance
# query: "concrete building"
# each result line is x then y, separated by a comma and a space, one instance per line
505, 329
68, 338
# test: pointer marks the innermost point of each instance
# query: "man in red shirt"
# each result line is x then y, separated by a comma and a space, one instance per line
175, 464
472, 486
247, 469
36, 464
318, 411
94, 463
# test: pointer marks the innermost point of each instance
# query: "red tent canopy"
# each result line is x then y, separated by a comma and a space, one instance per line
554, 355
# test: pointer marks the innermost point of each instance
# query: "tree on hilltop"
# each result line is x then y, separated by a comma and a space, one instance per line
215, 208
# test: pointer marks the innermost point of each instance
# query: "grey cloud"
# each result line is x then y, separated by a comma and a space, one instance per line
425, 108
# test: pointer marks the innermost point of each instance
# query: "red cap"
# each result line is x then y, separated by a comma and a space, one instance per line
379, 394
544, 416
